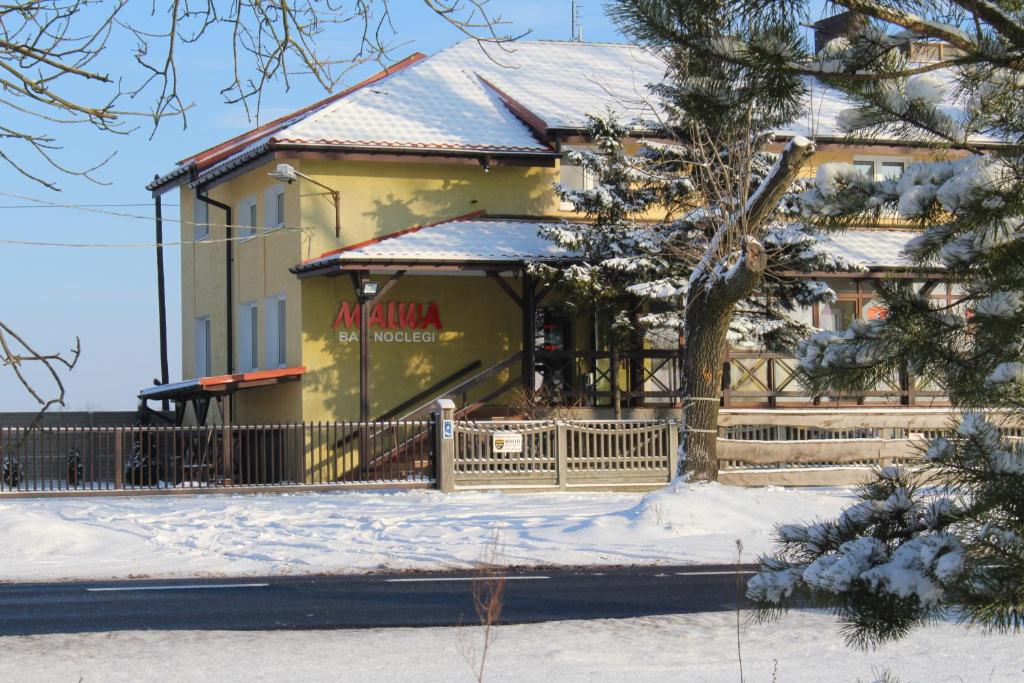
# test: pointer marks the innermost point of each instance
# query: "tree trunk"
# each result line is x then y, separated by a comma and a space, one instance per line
709, 308
709, 305
702, 379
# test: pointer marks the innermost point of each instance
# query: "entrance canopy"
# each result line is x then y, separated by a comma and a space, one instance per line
472, 243
219, 385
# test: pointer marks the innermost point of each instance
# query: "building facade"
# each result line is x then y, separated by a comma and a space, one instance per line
424, 186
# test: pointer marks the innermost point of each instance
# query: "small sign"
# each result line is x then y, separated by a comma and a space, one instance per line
507, 442
448, 429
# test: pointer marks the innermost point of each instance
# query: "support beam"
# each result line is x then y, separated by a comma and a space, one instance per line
395, 277
529, 331
506, 288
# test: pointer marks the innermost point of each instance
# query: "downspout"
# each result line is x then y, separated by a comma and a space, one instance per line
229, 258
161, 295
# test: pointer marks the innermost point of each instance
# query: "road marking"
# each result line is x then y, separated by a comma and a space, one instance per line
426, 579
183, 587
729, 573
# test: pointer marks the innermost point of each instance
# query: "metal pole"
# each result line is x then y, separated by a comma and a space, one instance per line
364, 351
161, 297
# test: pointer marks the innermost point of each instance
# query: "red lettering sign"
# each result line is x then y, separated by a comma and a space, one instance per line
403, 315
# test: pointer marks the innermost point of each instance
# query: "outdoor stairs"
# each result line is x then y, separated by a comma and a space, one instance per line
467, 408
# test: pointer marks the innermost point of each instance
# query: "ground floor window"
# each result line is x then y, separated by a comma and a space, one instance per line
201, 331
275, 329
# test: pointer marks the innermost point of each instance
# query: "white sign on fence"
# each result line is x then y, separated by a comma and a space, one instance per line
507, 442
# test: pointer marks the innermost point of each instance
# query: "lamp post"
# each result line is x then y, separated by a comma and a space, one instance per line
367, 292
286, 173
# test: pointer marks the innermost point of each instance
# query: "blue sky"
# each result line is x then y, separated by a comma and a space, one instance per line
107, 296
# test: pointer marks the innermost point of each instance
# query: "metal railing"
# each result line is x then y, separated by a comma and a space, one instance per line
149, 458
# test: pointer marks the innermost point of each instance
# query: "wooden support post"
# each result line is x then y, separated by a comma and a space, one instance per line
444, 445
529, 332
227, 449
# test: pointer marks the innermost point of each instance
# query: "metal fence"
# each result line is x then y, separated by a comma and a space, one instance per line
61, 459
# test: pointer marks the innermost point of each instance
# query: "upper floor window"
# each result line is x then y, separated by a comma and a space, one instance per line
880, 168
573, 177
247, 218
200, 219
273, 208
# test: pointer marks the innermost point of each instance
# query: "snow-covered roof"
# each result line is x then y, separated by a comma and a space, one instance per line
870, 247
468, 240
480, 240
465, 100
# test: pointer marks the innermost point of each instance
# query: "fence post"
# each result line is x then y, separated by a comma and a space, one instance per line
562, 452
118, 458
444, 445
673, 447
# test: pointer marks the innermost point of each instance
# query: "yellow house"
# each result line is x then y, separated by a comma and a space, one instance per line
364, 255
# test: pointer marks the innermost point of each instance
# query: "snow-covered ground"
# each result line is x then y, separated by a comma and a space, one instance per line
238, 535
804, 646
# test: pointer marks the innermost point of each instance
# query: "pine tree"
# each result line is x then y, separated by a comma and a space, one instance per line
951, 535
721, 245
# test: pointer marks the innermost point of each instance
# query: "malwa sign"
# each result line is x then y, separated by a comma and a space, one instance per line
394, 321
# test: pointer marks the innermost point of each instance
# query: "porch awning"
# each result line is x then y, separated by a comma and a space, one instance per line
482, 244
217, 385
472, 243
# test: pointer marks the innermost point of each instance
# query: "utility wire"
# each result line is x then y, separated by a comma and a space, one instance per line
71, 206
120, 214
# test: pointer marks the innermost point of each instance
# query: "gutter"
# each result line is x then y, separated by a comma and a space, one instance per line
229, 259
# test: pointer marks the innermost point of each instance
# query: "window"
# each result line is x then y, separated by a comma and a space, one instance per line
275, 331
200, 219
247, 218
573, 178
201, 346
248, 336
880, 168
273, 209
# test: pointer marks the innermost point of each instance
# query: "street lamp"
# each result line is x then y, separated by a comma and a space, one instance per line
286, 173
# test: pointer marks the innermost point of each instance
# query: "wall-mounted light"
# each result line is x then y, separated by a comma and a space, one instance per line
369, 290
286, 173
486, 163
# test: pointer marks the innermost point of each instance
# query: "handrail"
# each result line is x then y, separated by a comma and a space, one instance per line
469, 383
431, 390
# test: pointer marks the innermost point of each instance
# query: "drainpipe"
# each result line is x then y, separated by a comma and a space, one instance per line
229, 258
161, 295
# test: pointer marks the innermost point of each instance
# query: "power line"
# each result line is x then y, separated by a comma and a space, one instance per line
121, 214
73, 206
141, 245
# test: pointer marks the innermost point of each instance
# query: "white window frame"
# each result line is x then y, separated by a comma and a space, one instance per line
877, 162
248, 218
275, 331
273, 199
200, 219
588, 179
248, 336
202, 338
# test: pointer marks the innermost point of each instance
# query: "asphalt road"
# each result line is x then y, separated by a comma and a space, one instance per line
362, 601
